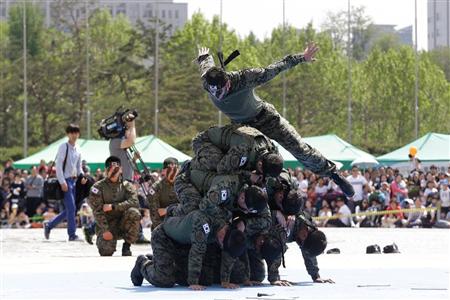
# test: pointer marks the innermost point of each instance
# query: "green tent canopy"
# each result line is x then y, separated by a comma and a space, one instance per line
432, 148
332, 147
153, 152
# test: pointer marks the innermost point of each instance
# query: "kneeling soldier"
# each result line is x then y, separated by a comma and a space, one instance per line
116, 210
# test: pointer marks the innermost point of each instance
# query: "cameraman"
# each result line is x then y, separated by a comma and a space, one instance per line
118, 147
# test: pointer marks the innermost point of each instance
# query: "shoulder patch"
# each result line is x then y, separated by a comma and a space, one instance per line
95, 190
206, 228
223, 195
151, 191
243, 161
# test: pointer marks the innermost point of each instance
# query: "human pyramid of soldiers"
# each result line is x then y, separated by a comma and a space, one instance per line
237, 207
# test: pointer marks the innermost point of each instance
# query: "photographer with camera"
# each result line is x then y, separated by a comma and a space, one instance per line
119, 145
120, 129
68, 169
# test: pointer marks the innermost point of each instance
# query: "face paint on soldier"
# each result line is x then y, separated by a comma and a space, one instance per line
259, 241
219, 92
114, 171
243, 205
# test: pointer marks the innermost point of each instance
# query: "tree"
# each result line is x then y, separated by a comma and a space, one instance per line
361, 31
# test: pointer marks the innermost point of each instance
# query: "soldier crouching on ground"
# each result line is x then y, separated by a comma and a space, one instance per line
116, 210
180, 237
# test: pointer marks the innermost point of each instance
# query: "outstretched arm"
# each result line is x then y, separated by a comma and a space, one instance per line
250, 78
204, 60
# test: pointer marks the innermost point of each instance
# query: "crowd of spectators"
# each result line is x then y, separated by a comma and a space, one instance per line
23, 201
23, 204
378, 189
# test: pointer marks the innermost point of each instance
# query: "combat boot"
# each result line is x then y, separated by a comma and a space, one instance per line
343, 183
126, 249
87, 235
46, 231
136, 276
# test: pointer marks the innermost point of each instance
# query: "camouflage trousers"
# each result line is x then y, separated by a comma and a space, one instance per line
164, 269
207, 155
125, 227
212, 266
187, 194
270, 123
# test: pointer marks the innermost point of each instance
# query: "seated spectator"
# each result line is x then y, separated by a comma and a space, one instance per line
398, 189
415, 218
50, 213
4, 214
430, 189
375, 206
18, 218
325, 211
444, 195
361, 208
392, 220
344, 219
386, 192
433, 219
302, 182
38, 218
309, 208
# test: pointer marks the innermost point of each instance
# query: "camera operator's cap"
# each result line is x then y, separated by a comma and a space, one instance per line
112, 159
168, 161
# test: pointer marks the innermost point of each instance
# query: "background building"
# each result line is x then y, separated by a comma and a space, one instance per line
174, 14
438, 24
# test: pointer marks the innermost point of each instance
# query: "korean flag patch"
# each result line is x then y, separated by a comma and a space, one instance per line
151, 191
206, 228
94, 190
223, 195
243, 161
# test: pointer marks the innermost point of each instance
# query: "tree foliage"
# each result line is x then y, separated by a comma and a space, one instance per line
73, 68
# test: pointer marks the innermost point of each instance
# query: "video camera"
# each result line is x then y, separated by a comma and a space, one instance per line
114, 126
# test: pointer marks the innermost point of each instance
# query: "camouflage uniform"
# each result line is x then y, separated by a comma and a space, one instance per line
257, 269
175, 239
188, 195
229, 148
243, 106
304, 219
161, 195
214, 194
123, 221
284, 181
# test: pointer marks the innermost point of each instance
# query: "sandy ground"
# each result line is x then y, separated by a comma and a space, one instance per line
34, 268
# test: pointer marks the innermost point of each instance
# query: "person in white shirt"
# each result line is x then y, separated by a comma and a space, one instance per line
68, 168
444, 195
415, 218
358, 182
343, 213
